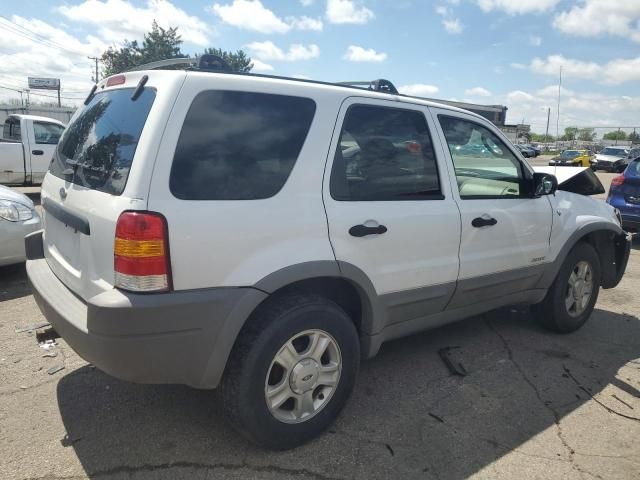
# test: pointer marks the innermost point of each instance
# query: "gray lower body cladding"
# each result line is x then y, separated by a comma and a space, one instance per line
178, 337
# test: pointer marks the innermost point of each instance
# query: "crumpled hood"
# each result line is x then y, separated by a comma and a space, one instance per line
581, 180
7, 193
609, 158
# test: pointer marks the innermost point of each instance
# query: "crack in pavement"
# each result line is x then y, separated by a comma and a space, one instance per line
150, 468
555, 414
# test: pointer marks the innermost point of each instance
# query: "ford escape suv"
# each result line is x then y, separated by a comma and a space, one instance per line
263, 235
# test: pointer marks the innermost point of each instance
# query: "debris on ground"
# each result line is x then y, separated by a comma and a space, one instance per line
454, 365
31, 328
50, 354
433, 415
48, 344
43, 335
55, 369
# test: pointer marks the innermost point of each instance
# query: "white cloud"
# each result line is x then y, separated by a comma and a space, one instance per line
535, 40
477, 92
517, 7
359, 54
259, 66
419, 90
552, 91
453, 26
614, 72
519, 96
119, 19
347, 11
305, 23
267, 50
306, 3
250, 15
596, 17
253, 15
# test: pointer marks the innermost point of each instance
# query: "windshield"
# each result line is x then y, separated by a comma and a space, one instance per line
97, 148
570, 154
613, 151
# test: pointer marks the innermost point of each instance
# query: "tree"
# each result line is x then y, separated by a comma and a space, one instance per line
541, 138
158, 44
615, 135
569, 134
586, 134
238, 61
161, 44
634, 137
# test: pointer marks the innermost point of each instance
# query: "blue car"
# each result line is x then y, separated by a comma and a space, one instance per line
624, 193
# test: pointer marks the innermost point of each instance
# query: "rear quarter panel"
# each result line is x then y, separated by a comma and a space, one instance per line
239, 242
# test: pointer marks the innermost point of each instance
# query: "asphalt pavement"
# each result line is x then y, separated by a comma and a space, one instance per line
532, 405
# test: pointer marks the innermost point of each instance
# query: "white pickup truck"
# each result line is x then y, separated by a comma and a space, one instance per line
26, 148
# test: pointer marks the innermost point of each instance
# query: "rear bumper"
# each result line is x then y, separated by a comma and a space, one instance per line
180, 337
631, 222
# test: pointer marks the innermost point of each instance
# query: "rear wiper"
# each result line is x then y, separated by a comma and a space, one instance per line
138, 91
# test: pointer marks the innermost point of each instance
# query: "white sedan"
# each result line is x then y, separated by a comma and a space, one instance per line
18, 217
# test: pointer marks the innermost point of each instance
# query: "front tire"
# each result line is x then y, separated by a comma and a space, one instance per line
291, 371
573, 294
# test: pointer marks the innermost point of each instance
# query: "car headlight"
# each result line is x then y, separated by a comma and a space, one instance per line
14, 211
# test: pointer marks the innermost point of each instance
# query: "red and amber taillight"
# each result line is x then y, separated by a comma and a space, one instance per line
617, 181
141, 253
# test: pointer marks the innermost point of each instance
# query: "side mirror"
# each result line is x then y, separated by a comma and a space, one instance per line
544, 184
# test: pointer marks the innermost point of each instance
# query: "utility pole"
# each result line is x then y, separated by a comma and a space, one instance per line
95, 59
546, 133
558, 116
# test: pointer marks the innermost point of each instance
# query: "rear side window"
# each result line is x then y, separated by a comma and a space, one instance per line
97, 148
239, 145
11, 130
384, 154
47, 133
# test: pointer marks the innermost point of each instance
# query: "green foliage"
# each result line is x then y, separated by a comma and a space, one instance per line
161, 44
615, 135
541, 138
586, 134
634, 137
238, 61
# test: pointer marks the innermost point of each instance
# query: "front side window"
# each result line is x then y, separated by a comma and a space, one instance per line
47, 133
384, 154
484, 166
239, 145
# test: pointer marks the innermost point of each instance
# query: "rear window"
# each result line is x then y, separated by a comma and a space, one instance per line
239, 145
97, 148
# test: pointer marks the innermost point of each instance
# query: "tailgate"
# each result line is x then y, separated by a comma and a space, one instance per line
101, 167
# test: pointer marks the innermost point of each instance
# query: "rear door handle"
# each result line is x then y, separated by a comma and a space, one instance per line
363, 230
483, 222
37, 152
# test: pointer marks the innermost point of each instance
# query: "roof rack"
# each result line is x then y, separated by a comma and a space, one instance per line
204, 63
214, 63
379, 85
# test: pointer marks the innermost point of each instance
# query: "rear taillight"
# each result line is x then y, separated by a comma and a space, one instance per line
617, 181
141, 253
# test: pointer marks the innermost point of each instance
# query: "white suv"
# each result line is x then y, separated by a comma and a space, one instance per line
265, 234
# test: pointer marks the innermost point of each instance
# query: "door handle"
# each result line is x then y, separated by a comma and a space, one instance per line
363, 230
483, 222
37, 152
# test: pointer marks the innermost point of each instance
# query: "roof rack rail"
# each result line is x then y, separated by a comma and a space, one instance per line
379, 85
205, 63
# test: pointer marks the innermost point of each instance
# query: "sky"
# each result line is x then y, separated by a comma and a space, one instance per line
505, 52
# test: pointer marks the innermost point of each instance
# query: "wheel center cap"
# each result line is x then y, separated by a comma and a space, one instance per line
304, 375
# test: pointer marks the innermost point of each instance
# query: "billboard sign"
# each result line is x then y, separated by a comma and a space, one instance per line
44, 83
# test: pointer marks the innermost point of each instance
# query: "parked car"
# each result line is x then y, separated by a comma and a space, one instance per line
624, 193
26, 148
18, 218
536, 151
573, 158
526, 151
203, 228
611, 159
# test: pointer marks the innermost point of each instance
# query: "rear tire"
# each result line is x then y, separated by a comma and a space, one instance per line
304, 348
573, 294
